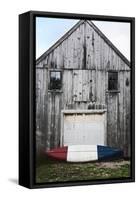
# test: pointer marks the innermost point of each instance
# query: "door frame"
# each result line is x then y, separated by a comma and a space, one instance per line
94, 111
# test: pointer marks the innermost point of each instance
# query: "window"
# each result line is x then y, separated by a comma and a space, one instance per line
112, 81
55, 80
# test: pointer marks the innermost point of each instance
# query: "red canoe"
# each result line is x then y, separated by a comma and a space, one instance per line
58, 153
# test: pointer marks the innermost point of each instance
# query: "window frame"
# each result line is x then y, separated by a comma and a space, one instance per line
49, 80
114, 89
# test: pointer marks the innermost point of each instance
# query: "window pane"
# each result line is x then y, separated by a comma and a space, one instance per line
52, 74
112, 81
58, 75
55, 80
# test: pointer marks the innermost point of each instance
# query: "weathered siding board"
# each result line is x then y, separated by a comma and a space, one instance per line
127, 116
106, 57
57, 120
44, 104
53, 129
84, 57
128, 113
93, 86
67, 88
41, 104
121, 106
77, 85
90, 45
112, 119
100, 86
49, 109
83, 85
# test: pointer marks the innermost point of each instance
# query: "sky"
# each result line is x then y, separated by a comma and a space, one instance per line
49, 30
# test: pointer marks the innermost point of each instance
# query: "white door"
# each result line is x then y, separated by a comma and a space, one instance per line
81, 129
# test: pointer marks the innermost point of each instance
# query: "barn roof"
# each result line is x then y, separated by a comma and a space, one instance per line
66, 35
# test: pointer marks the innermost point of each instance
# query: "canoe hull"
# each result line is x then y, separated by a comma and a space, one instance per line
84, 153
58, 153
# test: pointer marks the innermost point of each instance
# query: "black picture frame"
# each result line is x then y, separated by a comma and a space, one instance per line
27, 51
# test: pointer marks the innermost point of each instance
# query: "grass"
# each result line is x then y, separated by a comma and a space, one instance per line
56, 171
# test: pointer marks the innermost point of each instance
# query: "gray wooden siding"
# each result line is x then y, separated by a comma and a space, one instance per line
85, 59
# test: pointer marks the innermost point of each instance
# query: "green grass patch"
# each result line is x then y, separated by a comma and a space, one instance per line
49, 170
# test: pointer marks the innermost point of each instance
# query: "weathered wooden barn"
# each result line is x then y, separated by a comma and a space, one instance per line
83, 91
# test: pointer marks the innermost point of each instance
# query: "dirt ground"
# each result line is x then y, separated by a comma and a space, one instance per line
113, 164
